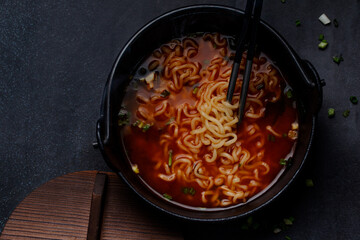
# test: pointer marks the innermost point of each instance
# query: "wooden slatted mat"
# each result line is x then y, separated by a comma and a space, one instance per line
73, 206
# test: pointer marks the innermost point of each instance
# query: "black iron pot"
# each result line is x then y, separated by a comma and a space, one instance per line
300, 74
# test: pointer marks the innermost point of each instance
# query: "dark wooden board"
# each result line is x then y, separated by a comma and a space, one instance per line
60, 209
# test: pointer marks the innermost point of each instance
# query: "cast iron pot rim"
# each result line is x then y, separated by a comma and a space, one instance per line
106, 98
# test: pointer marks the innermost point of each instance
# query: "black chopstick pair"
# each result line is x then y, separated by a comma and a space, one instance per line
251, 6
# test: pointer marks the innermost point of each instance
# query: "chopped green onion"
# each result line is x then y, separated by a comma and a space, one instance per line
214, 45
250, 224
353, 100
123, 116
250, 220
256, 226
321, 37
276, 230
336, 23
142, 125
165, 93
346, 113
324, 19
283, 161
167, 196
287, 238
338, 59
331, 112
170, 158
135, 124
323, 44
283, 1
189, 190
135, 168
284, 135
286, 162
244, 227
297, 23
195, 90
170, 121
121, 122
146, 127
309, 182
289, 94
288, 221
271, 138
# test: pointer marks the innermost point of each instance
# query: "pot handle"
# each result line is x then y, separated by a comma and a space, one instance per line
315, 84
103, 124
100, 142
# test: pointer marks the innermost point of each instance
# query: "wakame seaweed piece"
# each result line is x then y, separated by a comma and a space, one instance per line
123, 117
142, 71
260, 86
353, 100
232, 43
290, 161
271, 138
165, 93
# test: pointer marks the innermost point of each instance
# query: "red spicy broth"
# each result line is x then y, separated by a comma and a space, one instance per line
181, 135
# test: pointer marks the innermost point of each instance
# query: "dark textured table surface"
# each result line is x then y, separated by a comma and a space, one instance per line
55, 57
